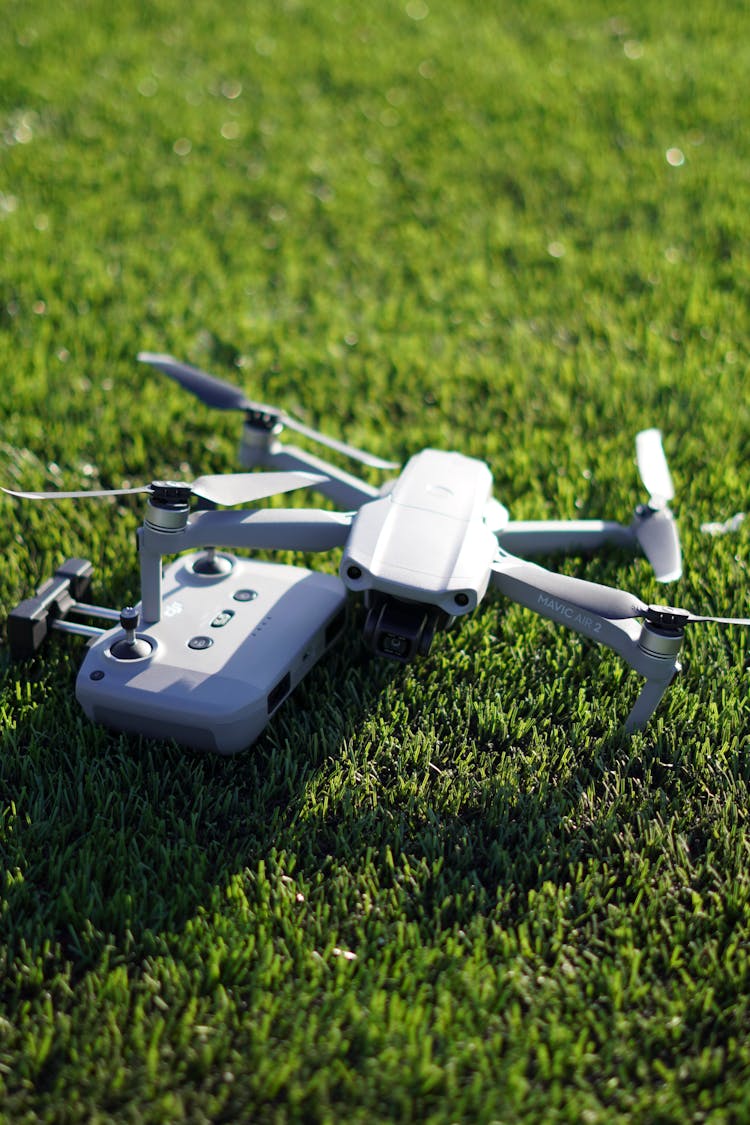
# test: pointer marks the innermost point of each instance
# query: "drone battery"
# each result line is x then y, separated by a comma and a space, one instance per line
232, 643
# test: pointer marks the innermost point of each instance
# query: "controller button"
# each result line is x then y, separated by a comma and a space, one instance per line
222, 618
200, 643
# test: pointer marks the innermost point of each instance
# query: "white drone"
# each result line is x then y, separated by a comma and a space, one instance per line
217, 641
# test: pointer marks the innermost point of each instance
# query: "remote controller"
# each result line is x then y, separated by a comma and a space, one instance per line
235, 637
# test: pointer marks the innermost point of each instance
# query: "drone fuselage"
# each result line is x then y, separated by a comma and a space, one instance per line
425, 540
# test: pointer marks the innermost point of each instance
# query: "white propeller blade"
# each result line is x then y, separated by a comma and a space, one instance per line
227, 489
244, 488
92, 494
653, 468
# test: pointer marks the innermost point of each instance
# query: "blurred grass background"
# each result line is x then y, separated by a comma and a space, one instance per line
449, 892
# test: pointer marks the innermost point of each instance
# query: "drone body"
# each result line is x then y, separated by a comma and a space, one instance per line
426, 539
218, 641
423, 547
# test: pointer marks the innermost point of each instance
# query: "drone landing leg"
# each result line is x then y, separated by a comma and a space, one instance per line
151, 580
647, 702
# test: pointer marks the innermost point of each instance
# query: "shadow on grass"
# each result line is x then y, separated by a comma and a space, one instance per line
108, 841
111, 844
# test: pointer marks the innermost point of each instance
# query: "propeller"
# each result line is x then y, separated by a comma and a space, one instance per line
654, 525
224, 396
653, 468
605, 601
225, 489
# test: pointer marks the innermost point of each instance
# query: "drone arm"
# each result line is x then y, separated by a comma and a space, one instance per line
653, 530
548, 537
658, 664
261, 529
270, 529
511, 577
344, 489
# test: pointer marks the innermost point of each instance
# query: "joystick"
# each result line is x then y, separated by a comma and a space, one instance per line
131, 646
211, 564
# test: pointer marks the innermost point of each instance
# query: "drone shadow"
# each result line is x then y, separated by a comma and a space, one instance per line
120, 840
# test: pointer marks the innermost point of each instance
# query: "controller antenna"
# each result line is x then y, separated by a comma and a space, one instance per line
131, 646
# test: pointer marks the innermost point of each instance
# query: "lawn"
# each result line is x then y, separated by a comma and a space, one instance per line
448, 891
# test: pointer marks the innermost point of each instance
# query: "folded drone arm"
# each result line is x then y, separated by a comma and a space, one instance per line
270, 529
515, 579
344, 489
549, 537
277, 529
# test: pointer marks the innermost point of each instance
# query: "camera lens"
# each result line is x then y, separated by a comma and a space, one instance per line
393, 645
401, 630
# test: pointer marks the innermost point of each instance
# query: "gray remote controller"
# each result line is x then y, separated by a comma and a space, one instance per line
235, 637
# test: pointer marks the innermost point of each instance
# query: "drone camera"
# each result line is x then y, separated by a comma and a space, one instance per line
401, 630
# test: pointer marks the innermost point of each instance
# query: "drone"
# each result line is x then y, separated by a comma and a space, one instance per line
218, 641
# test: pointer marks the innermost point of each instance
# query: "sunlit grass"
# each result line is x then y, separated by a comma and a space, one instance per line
445, 892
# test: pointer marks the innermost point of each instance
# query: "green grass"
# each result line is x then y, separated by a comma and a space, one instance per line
450, 892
